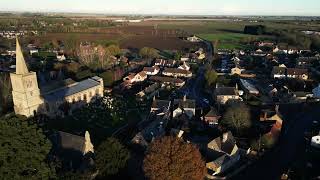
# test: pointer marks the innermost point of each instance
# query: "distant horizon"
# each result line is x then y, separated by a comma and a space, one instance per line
147, 14
170, 7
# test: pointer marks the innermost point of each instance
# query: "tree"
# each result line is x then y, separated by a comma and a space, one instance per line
107, 78
177, 55
5, 93
86, 54
102, 55
113, 50
100, 117
171, 158
24, 149
315, 45
111, 156
71, 44
149, 53
211, 76
237, 117
255, 29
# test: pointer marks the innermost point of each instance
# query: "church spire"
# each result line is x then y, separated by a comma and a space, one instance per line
21, 67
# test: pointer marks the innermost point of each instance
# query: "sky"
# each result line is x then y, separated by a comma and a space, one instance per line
170, 7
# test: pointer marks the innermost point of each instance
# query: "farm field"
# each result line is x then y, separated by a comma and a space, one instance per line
165, 34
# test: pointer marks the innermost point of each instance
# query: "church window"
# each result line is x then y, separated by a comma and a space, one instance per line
85, 97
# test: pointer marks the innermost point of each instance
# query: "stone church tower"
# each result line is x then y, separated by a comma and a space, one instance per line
25, 91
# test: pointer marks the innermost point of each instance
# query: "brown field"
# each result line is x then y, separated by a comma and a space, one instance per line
158, 42
129, 37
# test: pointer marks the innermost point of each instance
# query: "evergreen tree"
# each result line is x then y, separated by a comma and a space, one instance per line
111, 157
24, 150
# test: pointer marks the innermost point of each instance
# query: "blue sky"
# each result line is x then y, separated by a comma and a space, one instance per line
192, 7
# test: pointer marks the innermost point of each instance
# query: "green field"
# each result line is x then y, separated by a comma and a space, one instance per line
229, 40
230, 33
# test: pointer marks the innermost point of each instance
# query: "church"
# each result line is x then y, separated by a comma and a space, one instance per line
29, 99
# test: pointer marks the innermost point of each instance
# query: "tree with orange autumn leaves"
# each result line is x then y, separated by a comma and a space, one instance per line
172, 158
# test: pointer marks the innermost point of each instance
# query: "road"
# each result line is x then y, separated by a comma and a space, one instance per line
291, 144
193, 89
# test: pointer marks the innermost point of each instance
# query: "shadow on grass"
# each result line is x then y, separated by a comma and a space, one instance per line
230, 31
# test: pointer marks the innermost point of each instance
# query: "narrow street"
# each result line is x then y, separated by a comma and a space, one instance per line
193, 89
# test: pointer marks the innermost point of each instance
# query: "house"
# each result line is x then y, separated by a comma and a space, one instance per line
306, 62
315, 141
278, 72
201, 56
151, 71
170, 63
262, 44
33, 51
11, 52
301, 96
200, 53
297, 73
248, 87
149, 91
61, 57
160, 62
236, 70
153, 128
159, 105
185, 57
184, 106
133, 78
175, 72
184, 66
260, 53
224, 94
194, 39
123, 60
274, 116
316, 92
224, 153
168, 80
212, 117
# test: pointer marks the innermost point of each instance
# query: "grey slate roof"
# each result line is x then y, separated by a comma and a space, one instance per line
70, 90
220, 146
188, 103
70, 141
226, 91
160, 104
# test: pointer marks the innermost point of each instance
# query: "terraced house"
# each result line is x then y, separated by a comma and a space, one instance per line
175, 72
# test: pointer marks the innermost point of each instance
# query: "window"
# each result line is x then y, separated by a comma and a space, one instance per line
85, 97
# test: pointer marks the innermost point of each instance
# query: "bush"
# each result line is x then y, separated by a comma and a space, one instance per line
255, 30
